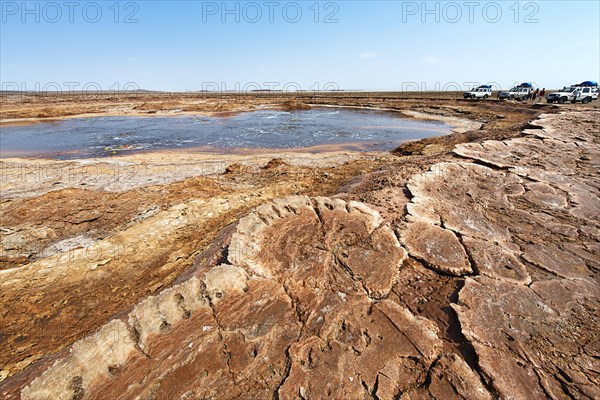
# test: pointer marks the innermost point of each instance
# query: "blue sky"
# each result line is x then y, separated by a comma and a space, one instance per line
369, 45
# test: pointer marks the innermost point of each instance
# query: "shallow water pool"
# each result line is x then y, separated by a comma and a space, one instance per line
318, 129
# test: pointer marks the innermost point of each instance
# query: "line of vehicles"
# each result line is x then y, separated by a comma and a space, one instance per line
584, 92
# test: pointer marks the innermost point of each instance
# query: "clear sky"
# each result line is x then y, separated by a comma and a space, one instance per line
369, 45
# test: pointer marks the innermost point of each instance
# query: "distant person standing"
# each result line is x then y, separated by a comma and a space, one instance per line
535, 93
542, 93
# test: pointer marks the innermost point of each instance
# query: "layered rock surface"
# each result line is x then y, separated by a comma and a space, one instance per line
478, 282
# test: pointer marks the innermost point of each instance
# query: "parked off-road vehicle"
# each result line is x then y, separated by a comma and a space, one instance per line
584, 92
521, 92
508, 94
479, 92
562, 96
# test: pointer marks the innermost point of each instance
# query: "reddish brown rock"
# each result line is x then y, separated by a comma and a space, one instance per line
551, 258
439, 248
461, 195
525, 338
451, 378
495, 261
296, 305
379, 348
545, 195
275, 163
293, 240
183, 336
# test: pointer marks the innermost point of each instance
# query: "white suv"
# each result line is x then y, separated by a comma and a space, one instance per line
584, 92
480, 92
520, 92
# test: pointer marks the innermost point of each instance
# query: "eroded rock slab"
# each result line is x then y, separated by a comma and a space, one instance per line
300, 242
526, 338
527, 219
382, 347
213, 333
302, 299
560, 160
460, 196
451, 378
438, 247
495, 261
501, 221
